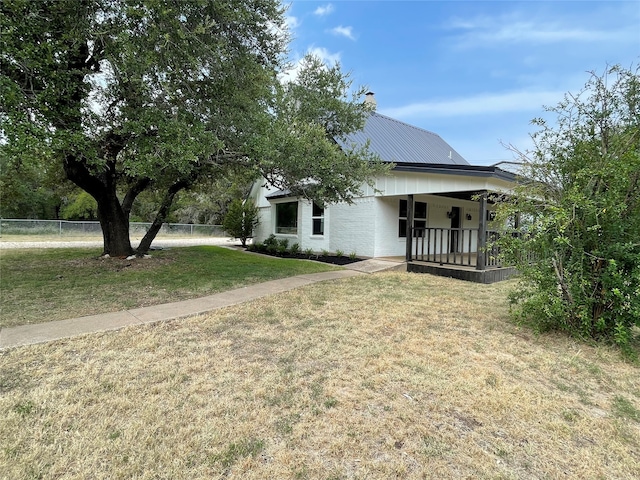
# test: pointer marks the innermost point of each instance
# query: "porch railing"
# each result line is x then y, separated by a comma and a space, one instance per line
453, 246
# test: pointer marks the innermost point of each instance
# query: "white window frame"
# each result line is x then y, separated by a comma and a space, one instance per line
416, 220
317, 215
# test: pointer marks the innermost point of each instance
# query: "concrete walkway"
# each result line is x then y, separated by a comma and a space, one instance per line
45, 332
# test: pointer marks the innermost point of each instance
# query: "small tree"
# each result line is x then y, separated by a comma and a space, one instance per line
241, 220
579, 211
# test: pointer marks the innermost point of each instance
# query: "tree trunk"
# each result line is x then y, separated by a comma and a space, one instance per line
114, 220
163, 211
115, 226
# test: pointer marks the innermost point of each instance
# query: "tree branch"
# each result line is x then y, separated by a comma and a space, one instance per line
163, 211
136, 189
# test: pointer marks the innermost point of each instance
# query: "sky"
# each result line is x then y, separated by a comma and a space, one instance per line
476, 73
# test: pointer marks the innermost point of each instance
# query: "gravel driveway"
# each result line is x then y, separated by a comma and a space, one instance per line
157, 243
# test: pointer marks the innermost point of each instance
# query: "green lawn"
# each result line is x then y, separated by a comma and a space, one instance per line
53, 284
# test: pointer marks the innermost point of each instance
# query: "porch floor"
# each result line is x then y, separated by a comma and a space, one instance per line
469, 273
492, 274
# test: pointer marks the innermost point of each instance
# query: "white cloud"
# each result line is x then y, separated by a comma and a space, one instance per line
484, 104
325, 55
515, 28
320, 52
344, 31
324, 10
291, 22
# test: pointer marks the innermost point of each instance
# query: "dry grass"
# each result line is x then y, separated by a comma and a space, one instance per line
384, 376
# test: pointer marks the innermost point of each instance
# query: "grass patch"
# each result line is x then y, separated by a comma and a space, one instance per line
246, 448
54, 284
625, 409
391, 375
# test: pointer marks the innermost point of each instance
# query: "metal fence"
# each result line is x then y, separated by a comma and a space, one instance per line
67, 228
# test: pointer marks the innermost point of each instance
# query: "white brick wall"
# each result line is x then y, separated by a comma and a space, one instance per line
352, 227
369, 226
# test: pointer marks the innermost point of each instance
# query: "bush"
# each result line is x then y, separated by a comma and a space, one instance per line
255, 247
295, 249
270, 244
579, 216
83, 207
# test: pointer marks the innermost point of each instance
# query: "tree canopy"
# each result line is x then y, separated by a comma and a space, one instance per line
134, 96
578, 242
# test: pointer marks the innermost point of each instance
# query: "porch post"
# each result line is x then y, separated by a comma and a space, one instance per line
482, 233
409, 227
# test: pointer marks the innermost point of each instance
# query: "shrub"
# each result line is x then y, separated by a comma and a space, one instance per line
325, 253
353, 256
295, 249
579, 215
255, 247
83, 207
271, 244
339, 253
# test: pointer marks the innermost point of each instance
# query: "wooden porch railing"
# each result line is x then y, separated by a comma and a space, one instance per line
453, 246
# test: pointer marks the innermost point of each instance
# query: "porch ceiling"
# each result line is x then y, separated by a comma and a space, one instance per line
465, 195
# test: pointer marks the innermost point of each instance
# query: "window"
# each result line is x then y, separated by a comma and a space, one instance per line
419, 217
287, 218
317, 218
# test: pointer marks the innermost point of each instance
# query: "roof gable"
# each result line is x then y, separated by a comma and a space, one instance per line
399, 142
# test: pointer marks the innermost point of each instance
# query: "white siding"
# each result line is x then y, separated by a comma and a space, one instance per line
404, 183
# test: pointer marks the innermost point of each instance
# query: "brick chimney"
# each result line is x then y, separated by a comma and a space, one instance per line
370, 99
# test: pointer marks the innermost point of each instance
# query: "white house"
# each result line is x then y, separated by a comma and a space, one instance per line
431, 188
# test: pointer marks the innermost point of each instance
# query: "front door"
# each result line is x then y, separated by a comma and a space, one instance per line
455, 233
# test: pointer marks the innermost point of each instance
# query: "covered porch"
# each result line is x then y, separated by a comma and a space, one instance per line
464, 253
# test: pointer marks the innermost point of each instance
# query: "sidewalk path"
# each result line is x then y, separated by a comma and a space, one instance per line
45, 332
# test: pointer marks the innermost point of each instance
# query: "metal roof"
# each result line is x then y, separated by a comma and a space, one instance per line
399, 142
279, 194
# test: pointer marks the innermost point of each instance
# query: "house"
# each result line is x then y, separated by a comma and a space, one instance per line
433, 209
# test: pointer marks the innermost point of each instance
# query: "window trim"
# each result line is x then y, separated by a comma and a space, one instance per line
402, 220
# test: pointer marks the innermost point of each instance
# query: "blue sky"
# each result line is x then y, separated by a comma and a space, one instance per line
475, 73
